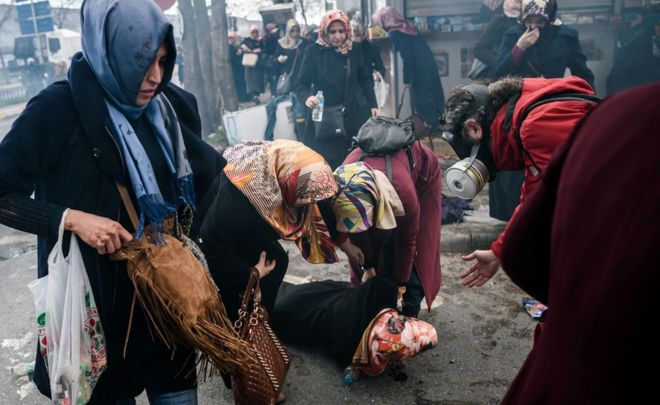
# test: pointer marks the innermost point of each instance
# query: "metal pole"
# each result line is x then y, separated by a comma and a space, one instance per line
40, 54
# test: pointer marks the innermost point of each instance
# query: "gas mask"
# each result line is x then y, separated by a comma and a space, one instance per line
467, 177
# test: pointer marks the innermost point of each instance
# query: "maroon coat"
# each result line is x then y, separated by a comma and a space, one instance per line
418, 231
585, 243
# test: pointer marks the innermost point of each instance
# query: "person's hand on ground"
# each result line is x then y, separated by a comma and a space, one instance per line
368, 273
483, 270
353, 252
103, 234
311, 101
528, 38
264, 267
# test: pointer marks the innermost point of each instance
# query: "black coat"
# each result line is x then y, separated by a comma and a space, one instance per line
62, 147
233, 236
487, 47
325, 69
294, 59
421, 72
634, 64
558, 48
371, 57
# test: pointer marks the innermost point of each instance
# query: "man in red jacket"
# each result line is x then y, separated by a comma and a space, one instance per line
512, 124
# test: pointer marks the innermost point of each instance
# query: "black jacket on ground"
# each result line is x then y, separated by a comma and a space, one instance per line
62, 147
558, 48
331, 314
324, 69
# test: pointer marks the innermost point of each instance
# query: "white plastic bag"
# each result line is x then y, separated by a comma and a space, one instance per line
76, 344
381, 89
39, 289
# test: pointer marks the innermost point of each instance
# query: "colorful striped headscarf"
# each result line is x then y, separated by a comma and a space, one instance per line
366, 198
324, 38
391, 336
284, 180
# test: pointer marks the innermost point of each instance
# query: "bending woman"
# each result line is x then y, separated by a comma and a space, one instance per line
268, 191
384, 239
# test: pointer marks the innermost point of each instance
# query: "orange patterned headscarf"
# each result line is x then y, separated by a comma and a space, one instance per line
324, 38
284, 180
391, 337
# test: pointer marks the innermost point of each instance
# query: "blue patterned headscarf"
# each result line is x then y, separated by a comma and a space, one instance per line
120, 39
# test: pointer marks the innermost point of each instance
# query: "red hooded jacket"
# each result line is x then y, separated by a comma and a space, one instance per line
542, 132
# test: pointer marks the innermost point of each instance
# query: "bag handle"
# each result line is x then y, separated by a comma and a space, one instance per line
252, 293
128, 204
57, 248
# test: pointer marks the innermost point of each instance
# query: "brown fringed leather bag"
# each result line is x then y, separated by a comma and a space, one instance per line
262, 378
180, 300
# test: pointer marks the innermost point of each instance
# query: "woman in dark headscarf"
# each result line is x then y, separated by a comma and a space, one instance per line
269, 46
332, 66
116, 120
254, 75
419, 68
541, 46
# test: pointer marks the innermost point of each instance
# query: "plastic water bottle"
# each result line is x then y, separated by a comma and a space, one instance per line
317, 112
351, 375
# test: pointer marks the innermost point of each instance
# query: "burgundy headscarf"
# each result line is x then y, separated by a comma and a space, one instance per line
389, 19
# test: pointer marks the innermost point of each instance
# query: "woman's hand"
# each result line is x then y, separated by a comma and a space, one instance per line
312, 101
282, 58
375, 112
353, 252
528, 38
103, 234
264, 267
483, 270
368, 273
256, 50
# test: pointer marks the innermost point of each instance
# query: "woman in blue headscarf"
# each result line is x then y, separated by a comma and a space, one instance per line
116, 120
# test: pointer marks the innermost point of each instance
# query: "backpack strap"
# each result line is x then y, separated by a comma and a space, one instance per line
566, 96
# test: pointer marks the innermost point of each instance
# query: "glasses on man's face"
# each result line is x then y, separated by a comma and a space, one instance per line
333, 32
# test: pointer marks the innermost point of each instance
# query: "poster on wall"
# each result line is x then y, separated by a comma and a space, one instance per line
442, 62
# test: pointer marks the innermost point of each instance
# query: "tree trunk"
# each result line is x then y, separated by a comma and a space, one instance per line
223, 75
193, 78
205, 47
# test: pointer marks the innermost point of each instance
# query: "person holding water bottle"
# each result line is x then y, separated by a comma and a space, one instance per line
331, 74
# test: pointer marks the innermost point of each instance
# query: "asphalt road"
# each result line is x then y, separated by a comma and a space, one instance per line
5, 126
484, 336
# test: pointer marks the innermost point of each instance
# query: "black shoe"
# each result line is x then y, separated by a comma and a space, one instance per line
256, 100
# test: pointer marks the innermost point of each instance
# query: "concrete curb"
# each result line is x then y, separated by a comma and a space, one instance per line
467, 237
12, 111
